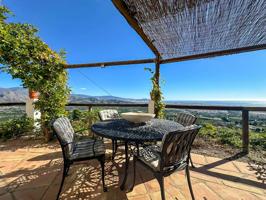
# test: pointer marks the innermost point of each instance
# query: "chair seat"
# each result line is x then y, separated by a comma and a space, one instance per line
150, 155
87, 148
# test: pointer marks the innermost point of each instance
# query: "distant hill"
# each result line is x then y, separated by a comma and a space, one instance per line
16, 94
19, 94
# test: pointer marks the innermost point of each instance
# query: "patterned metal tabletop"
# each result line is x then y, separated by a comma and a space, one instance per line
121, 129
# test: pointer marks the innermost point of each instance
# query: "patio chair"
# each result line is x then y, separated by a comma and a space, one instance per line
75, 150
171, 156
106, 115
186, 119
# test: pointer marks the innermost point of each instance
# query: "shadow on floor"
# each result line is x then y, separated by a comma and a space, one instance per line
84, 180
205, 169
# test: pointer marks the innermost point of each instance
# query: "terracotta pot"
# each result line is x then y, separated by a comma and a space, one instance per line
33, 94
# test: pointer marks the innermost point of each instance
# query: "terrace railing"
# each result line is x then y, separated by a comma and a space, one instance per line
245, 112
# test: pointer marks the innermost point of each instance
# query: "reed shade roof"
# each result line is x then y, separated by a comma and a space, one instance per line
180, 28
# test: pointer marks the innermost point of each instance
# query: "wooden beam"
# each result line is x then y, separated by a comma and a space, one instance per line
245, 131
113, 63
121, 6
216, 53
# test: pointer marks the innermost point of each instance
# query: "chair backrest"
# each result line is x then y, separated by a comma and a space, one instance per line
108, 114
176, 147
65, 134
186, 119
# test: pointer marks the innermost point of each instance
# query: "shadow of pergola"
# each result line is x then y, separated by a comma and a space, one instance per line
84, 180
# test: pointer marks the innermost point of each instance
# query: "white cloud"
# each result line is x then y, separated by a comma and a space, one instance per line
83, 88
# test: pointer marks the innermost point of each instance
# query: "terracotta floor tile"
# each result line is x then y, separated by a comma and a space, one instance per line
244, 187
35, 171
8, 166
157, 196
198, 159
6, 196
175, 193
261, 197
203, 176
231, 193
244, 167
30, 194
221, 164
201, 192
139, 197
152, 186
138, 190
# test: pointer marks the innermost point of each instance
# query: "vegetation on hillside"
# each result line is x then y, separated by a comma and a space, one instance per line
16, 127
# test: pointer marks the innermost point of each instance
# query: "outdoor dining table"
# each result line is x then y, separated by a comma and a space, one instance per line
120, 129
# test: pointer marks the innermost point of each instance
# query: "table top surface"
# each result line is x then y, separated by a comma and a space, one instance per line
120, 129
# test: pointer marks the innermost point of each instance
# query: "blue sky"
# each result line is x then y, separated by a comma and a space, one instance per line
92, 31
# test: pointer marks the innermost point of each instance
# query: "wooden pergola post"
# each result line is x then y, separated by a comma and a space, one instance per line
157, 71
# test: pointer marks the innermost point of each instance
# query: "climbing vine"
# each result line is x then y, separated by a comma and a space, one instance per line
156, 94
25, 56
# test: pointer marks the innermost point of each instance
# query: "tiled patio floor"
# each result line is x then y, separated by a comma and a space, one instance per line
33, 171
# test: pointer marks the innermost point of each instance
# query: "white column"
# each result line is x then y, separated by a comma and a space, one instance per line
32, 113
151, 106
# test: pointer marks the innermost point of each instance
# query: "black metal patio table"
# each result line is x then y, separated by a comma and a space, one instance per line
120, 129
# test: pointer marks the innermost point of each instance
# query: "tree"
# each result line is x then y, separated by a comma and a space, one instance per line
25, 56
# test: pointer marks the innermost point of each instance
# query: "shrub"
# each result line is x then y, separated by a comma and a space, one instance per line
84, 119
208, 130
76, 114
230, 136
16, 127
258, 140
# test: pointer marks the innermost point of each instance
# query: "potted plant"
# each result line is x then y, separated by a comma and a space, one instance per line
33, 94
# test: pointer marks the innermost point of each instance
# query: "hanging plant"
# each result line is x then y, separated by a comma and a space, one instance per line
156, 94
25, 56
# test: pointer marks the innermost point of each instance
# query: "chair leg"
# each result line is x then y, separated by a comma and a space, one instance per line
102, 161
134, 172
189, 182
66, 167
160, 180
190, 159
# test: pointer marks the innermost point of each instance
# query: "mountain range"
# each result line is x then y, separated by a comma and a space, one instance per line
19, 94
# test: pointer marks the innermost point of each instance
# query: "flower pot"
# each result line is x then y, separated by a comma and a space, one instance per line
33, 94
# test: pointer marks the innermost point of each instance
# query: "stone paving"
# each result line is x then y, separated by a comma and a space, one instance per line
32, 170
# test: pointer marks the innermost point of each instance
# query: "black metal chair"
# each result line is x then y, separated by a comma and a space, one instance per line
106, 115
75, 150
171, 156
186, 119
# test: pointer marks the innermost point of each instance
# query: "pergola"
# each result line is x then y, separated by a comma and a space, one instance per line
180, 30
